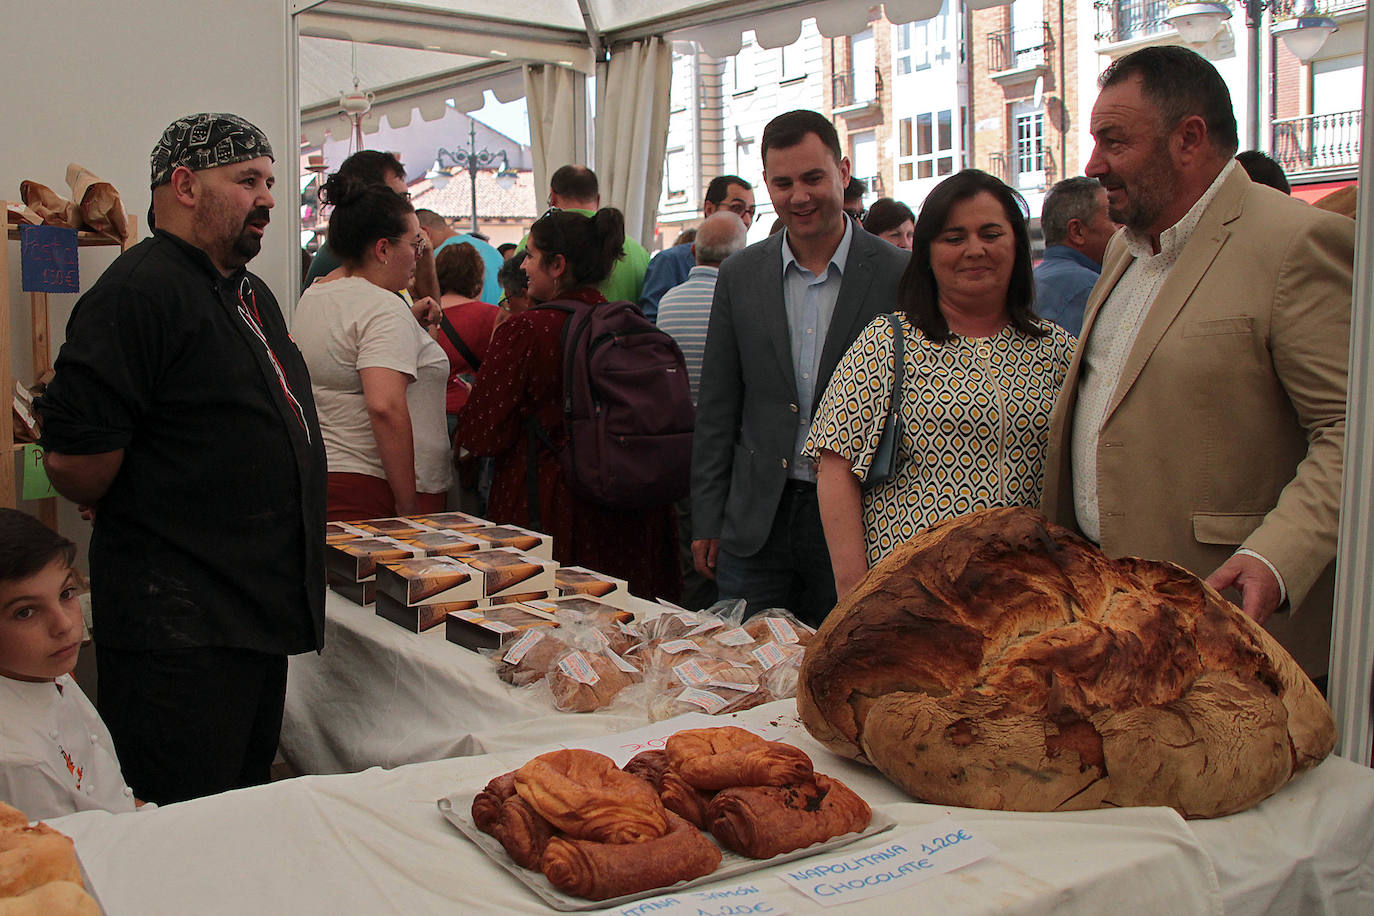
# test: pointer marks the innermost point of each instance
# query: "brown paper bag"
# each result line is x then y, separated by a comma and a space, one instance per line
55, 210
101, 209
16, 214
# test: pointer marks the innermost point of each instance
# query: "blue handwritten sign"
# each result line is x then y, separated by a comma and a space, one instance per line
48, 261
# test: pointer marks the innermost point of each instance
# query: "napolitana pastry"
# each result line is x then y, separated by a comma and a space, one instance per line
599, 871
764, 821
999, 661
39, 874
718, 758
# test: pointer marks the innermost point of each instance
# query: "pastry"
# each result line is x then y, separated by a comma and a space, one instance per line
585, 795
522, 832
997, 660
677, 796
56, 898
718, 758
486, 806
587, 681
599, 871
763, 821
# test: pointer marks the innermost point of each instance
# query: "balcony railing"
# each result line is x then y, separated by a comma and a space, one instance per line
1014, 49
1315, 142
1283, 9
844, 93
1123, 20
1018, 167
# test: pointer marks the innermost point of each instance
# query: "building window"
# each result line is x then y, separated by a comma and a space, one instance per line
791, 62
918, 44
745, 164
676, 175
740, 68
863, 67
1028, 153
925, 146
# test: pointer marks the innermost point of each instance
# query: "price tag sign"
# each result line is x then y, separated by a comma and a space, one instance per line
739, 900
622, 747
909, 859
36, 483
47, 260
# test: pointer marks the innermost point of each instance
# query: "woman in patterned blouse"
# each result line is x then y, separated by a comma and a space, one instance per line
982, 373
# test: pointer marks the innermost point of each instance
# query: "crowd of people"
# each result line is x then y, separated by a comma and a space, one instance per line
1170, 381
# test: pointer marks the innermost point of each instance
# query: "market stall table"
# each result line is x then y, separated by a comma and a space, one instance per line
375, 843
380, 695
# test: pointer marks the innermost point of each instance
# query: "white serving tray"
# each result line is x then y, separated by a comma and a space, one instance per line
457, 810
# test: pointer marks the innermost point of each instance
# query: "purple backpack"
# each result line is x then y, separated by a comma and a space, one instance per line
627, 408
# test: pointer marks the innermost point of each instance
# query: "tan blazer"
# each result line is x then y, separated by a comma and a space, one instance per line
1228, 424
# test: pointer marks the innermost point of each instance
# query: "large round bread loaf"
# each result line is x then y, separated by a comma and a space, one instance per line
1000, 661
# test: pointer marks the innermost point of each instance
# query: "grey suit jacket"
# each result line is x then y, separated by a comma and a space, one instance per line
747, 410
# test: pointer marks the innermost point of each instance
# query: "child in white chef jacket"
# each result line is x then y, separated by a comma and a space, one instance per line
56, 756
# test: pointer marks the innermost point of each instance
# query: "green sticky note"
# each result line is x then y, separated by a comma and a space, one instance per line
36, 483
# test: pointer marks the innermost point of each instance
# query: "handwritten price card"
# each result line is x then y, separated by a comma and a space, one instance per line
928, 851
625, 745
47, 260
740, 900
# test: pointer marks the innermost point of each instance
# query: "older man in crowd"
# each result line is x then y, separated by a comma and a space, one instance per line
1203, 417
670, 267
684, 312
784, 312
182, 411
1077, 230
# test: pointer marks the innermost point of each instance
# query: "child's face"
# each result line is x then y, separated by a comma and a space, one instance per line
40, 624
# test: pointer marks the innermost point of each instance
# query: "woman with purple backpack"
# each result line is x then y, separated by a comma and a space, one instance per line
546, 474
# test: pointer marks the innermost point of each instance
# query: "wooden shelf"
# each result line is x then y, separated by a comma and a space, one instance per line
84, 237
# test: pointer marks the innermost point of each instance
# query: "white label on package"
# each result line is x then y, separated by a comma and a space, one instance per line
674, 646
521, 646
738, 636
576, 666
688, 618
782, 630
691, 674
909, 859
712, 703
732, 685
602, 639
618, 661
740, 900
706, 627
768, 655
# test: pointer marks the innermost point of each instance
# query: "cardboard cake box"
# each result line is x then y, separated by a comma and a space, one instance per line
578, 580
522, 539
583, 609
448, 521
444, 543
390, 527
489, 627
493, 576
418, 617
334, 532
356, 560
363, 593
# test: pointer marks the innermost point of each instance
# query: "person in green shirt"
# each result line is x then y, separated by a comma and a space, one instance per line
574, 187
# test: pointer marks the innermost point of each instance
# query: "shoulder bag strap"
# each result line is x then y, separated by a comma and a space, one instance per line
452, 333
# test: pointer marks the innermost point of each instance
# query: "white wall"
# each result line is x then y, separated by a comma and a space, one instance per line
97, 85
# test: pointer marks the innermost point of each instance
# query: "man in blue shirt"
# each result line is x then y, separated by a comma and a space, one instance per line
1077, 229
441, 236
671, 266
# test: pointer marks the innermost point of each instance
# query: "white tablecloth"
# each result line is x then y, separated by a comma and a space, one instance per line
380, 695
374, 843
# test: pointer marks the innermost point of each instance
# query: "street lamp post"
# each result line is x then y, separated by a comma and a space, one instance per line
1304, 34
473, 160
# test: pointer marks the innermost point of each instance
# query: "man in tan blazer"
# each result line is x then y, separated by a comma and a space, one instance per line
1203, 417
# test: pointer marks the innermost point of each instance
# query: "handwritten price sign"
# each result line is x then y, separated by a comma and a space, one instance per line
910, 859
625, 745
47, 260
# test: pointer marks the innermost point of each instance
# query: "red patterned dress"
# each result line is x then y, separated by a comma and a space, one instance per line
521, 376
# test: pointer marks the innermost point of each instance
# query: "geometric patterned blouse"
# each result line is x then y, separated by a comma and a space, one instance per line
976, 412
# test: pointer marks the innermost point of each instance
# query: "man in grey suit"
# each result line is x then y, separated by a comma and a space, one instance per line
784, 312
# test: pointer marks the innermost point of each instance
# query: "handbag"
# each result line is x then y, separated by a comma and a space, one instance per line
885, 465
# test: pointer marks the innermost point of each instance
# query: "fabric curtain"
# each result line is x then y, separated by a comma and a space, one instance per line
557, 101
632, 131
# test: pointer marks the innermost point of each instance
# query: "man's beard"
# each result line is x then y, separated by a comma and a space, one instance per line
247, 245
1148, 195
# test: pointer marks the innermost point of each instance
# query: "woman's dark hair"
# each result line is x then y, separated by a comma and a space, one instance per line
917, 293
590, 244
886, 214
511, 276
363, 212
27, 545
460, 270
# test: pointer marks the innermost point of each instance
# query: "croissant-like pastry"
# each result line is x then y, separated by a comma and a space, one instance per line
678, 797
585, 795
30, 856
763, 821
486, 807
718, 758
599, 871
522, 832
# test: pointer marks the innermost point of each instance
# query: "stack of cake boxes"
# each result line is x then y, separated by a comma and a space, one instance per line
486, 581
